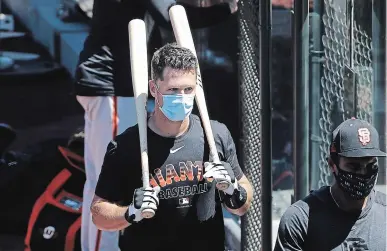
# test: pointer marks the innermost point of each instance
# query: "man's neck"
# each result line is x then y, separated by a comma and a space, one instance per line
166, 128
345, 202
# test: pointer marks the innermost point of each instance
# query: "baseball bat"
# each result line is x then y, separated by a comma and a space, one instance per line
183, 36
139, 67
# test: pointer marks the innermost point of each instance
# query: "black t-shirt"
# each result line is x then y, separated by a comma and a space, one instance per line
176, 165
104, 63
317, 224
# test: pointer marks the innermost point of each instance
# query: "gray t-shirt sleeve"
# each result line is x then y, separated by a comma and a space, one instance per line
293, 228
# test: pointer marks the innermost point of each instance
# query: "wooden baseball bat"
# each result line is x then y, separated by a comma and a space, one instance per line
139, 67
184, 38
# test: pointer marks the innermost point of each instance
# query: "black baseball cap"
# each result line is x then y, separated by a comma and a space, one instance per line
356, 138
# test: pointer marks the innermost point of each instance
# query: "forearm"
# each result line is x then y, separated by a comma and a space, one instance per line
108, 216
242, 209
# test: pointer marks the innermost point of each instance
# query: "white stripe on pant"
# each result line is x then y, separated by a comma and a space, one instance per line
103, 116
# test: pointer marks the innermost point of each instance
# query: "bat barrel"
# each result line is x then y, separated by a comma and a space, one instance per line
139, 68
184, 38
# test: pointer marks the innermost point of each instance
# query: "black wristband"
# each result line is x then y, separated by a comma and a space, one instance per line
128, 218
236, 200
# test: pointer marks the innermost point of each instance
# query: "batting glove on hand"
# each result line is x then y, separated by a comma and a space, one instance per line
144, 200
222, 173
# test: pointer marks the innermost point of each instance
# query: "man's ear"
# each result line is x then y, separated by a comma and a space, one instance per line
152, 88
332, 165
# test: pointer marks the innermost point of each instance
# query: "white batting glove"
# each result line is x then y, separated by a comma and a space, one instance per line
221, 173
143, 199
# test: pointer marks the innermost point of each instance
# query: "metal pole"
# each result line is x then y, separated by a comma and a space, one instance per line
383, 130
379, 109
301, 98
265, 23
351, 17
317, 57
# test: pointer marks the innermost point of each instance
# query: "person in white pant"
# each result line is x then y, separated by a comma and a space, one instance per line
105, 117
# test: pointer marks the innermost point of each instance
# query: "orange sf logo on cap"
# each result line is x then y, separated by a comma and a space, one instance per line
364, 136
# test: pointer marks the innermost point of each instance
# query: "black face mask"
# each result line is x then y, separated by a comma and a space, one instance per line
358, 186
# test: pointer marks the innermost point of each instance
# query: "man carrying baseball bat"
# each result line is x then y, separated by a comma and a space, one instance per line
103, 86
187, 205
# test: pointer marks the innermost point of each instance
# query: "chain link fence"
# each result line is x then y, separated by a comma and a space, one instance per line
347, 75
250, 114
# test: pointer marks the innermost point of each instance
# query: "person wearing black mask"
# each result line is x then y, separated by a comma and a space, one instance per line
350, 214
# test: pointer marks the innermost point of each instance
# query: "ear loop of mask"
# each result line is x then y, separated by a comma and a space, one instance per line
372, 167
157, 91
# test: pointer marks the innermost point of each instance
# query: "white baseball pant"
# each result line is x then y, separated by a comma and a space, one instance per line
105, 117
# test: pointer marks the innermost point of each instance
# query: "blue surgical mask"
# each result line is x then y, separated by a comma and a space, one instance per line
177, 107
